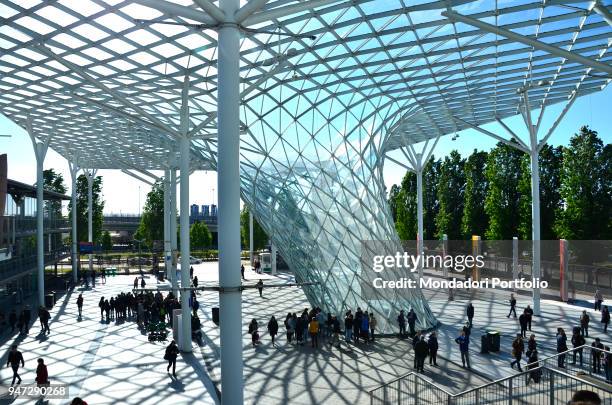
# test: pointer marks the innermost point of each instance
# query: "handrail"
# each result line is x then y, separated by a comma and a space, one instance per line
584, 346
542, 366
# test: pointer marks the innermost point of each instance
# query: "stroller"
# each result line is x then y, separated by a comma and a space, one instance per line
157, 332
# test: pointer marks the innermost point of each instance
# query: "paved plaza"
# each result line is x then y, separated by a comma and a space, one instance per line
110, 363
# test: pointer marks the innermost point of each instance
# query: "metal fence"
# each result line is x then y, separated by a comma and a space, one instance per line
544, 384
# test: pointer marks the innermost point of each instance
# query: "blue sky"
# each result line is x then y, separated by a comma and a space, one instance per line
122, 193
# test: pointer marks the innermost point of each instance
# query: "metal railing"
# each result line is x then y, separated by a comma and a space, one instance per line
17, 265
543, 384
591, 362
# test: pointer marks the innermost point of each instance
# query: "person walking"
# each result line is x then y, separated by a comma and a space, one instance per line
598, 298
45, 316
80, 304
432, 345
348, 327
254, 332
518, 347
421, 351
512, 306
260, 287
288, 327
101, 305
14, 358
596, 352
605, 318
195, 281
242, 271
523, 324
401, 320
415, 339
42, 375
190, 271
464, 347
170, 355
584, 323
532, 345
412, 320
135, 283
273, 328
561, 347
577, 341
470, 313
533, 366
529, 312
373, 323
313, 329
143, 283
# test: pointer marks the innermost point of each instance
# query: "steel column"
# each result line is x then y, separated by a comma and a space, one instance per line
173, 229
90, 179
167, 243
419, 175
251, 238
273, 259
185, 344
41, 151
228, 181
74, 169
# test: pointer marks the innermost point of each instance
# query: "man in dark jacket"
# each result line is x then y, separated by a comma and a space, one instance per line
401, 320
44, 319
596, 355
577, 341
523, 323
518, 347
27, 316
412, 320
432, 345
512, 306
415, 339
529, 312
421, 350
470, 313
171, 354
14, 358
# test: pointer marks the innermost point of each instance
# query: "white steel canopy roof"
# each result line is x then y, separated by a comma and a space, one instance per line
106, 86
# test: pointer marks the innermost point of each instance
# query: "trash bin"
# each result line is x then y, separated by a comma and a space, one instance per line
215, 315
50, 300
493, 341
484, 343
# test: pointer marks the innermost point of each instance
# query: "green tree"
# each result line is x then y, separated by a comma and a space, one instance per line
406, 206
53, 181
450, 192
107, 242
503, 170
585, 188
151, 225
431, 204
81, 209
474, 220
260, 238
199, 236
392, 201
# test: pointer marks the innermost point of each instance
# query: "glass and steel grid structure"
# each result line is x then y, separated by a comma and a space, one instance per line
319, 93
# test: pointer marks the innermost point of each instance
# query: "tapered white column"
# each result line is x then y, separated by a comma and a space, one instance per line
74, 169
167, 248
228, 181
419, 176
184, 146
173, 229
251, 238
535, 200
40, 152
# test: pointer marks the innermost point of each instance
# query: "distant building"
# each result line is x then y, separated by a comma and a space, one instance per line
213, 210
205, 211
195, 211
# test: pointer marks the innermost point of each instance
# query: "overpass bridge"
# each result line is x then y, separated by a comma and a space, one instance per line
129, 223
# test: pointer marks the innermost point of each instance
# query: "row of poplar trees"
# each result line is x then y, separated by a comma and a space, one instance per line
489, 193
